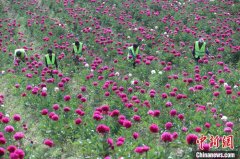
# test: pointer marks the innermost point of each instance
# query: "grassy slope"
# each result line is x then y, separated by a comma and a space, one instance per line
12, 100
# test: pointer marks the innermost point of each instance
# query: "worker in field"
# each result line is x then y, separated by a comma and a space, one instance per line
199, 49
77, 51
20, 55
133, 51
51, 60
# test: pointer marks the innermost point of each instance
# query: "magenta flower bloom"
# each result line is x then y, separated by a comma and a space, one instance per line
156, 113
97, 116
17, 85
107, 94
16, 117
2, 151
17, 154
173, 112
55, 117
101, 128
168, 125
166, 137
206, 147
110, 141
11, 148
227, 129
67, 98
135, 135
136, 118
184, 129
198, 129
44, 112
66, 109
9, 128
114, 113
229, 124
48, 142
105, 108
207, 125
60, 84
191, 139
141, 149
154, 128
18, 135
164, 95
127, 123
28, 87
83, 89
3, 140
43, 94
168, 104
78, 121
120, 141
83, 99
55, 106
216, 94
175, 135
180, 116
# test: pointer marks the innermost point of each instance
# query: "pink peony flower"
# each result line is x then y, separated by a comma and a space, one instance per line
136, 118
216, 94
141, 149
154, 128
48, 142
97, 117
191, 139
168, 104
166, 137
207, 125
78, 121
18, 135
206, 147
127, 123
5, 120
11, 148
229, 124
114, 113
156, 113
66, 109
2, 151
55, 117
168, 125
227, 129
16, 117
101, 128
2, 140
67, 98
9, 128
173, 112
198, 129
135, 135
17, 154
184, 129
44, 112
175, 135
181, 116
55, 106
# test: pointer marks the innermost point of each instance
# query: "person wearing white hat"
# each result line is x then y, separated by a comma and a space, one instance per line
199, 49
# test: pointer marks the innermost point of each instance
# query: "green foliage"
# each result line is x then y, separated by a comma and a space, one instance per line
82, 141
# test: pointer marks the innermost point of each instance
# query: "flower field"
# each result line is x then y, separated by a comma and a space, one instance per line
103, 108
